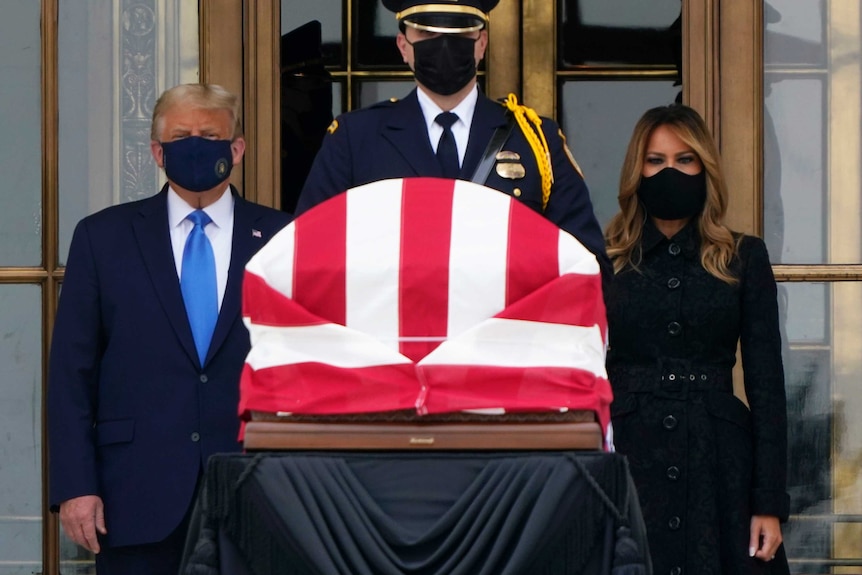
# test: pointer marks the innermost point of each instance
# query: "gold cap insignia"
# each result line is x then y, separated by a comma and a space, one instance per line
332, 127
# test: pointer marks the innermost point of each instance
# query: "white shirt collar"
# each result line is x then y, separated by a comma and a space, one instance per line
464, 109
220, 211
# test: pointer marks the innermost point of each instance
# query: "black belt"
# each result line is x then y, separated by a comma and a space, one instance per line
648, 379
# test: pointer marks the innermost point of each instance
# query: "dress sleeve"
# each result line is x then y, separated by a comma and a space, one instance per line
760, 342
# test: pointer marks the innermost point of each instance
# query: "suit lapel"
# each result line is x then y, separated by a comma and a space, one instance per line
487, 117
154, 242
246, 242
405, 130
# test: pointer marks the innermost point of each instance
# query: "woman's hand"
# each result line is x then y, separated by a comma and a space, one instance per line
765, 537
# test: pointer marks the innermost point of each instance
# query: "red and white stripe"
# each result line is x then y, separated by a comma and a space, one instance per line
422, 293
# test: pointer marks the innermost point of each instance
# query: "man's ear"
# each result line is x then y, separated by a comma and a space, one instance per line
158, 153
403, 47
237, 148
481, 45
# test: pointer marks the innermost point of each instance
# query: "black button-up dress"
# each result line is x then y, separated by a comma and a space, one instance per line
702, 461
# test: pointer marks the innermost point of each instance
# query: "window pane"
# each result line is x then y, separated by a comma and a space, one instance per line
823, 368
813, 135
20, 122
374, 34
597, 119
296, 13
795, 32
20, 430
620, 32
115, 58
371, 92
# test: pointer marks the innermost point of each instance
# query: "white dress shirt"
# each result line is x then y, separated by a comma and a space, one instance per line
219, 232
460, 129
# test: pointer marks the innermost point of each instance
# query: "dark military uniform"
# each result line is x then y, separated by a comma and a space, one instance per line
390, 140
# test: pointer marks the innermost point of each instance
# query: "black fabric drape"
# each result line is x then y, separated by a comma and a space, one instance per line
417, 513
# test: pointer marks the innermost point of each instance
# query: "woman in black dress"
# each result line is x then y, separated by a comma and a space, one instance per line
710, 471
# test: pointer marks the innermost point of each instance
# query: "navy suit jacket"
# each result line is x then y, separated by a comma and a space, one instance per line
132, 415
390, 140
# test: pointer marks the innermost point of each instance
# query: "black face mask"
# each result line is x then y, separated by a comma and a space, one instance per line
673, 195
445, 64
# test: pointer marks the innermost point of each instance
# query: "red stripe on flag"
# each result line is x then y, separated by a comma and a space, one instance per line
531, 257
572, 299
426, 232
263, 305
318, 388
320, 277
458, 387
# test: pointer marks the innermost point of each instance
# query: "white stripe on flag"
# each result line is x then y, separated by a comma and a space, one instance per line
274, 261
518, 343
477, 259
373, 260
574, 257
329, 343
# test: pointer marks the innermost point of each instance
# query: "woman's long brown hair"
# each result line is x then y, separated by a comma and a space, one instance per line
623, 233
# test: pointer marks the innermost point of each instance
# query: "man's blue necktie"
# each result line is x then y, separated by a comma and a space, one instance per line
447, 151
198, 283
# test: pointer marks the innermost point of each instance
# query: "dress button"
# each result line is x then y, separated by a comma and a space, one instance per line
676, 570
196, 436
669, 422
674, 249
673, 472
673, 283
674, 523
673, 328
204, 378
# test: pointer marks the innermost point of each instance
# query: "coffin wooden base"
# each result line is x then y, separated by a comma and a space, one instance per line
556, 431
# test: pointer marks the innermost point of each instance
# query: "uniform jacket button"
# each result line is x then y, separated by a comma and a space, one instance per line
674, 249
673, 473
674, 328
674, 523
196, 436
673, 283
675, 570
204, 378
669, 422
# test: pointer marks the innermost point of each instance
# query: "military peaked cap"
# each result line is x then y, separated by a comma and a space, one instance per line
443, 16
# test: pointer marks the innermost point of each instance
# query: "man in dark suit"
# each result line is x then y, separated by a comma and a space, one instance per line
149, 342
443, 42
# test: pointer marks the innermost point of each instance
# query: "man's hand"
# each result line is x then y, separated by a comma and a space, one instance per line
81, 517
765, 537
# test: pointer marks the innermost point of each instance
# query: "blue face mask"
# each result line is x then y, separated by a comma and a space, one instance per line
197, 164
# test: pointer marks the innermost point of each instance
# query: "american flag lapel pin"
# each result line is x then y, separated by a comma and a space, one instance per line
255, 233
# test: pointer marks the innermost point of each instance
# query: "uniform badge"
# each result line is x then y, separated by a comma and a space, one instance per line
509, 165
506, 156
332, 127
511, 170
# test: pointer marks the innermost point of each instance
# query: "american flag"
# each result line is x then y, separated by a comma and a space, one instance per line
427, 294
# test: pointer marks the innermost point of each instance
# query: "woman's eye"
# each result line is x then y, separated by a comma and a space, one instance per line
655, 161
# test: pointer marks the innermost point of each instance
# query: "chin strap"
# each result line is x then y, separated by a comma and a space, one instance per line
531, 125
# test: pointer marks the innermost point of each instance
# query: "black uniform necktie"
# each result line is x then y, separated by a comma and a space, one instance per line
447, 151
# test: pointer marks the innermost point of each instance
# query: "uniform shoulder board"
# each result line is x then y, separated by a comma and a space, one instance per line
570, 154
384, 103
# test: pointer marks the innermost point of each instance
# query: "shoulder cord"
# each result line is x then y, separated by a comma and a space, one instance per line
525, 116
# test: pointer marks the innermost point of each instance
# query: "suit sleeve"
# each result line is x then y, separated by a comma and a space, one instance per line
570, 206
331, 172
73, 373
760, 342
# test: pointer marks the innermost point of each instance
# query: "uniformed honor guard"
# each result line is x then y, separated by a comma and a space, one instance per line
448, 128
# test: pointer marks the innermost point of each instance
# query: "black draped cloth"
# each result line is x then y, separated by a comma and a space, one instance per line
430, 513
